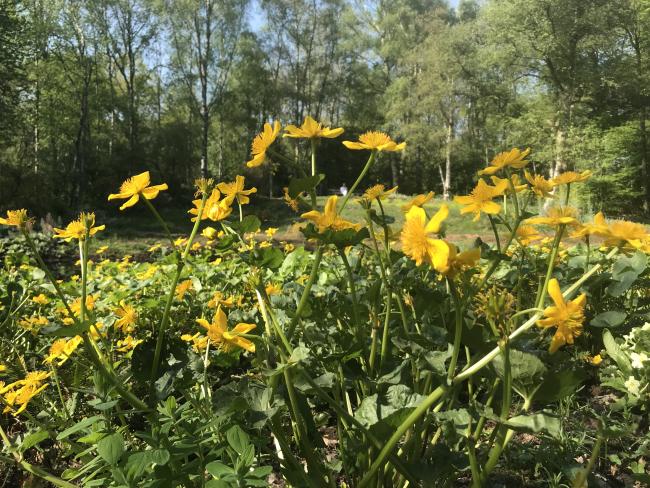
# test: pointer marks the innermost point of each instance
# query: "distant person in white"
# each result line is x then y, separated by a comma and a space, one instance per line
343, 189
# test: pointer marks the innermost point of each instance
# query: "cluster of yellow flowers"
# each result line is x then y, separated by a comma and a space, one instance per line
310, 129
19, 393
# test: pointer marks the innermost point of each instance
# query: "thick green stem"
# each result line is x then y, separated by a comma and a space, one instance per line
305, 293
489, 357
581, 478
365, 169
160, 333
550, 266
385, 452
458, 330
495, 232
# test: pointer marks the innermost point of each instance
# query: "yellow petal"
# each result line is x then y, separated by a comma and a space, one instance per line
435, 223
555, 293
130, 202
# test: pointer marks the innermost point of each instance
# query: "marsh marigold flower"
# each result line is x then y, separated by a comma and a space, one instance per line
262, 142
127, 317
311, 129
566, 316
569, 177
78, 229
213, 208
556, 216
127, 344
417, 241
41, 299
597, 227
329, 218
513, 159
418, 201
378, 192
235, 190
626, 234
19, 393
375, 141
540, 185
227, 340
480, 199
15, 218
62, 349
460, 261
182, 288
135, 187
527, 234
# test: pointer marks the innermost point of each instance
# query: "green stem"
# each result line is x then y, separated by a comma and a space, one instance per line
581, 478
365, 169
58, 388
550, 266
495, 232
160, 334
388, 447
161, 221
458, 330
353, 292
305, 293
487, 359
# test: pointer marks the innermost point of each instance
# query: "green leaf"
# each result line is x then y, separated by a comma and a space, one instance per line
111, 448
300, 185
537, 422
526, 369
218, 470
250, 223
237, 439
559, 384
613, 318
82, 424
33, 439
614, 351
139, 462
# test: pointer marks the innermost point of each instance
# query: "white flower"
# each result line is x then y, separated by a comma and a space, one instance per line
638, 360
632, 384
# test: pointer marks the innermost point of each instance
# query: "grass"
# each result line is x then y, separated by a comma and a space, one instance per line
135, 230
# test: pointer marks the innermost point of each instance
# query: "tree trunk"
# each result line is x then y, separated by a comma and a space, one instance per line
645, 170
394, 169
449, 139
559, 163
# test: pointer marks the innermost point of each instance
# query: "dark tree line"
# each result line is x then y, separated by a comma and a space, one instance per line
91, 92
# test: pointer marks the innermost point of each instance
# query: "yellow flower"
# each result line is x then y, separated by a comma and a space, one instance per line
566, 316
596, 360
101, 250
626, 234
540, 185
213, 209
556, 216
236, 190
273, 289
22, 391
209, 233
457, 262
311, 129
95, 331
527, 234
288, 247
78, 229
292, 202
598, 227
513, 158
569, 177
135, 187
270, 232
329, 219
41, 299
480, 199
15, 218
417, 201
227, 340
199, 342
155, 247
218, 299
262, 142
33, 324
375, 141
127, 344
378, 192
182, 288
180, 242
416, 239
62, 349
76, 305
149, 273
127, 317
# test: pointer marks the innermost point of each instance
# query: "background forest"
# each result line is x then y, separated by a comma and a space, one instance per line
94, 91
